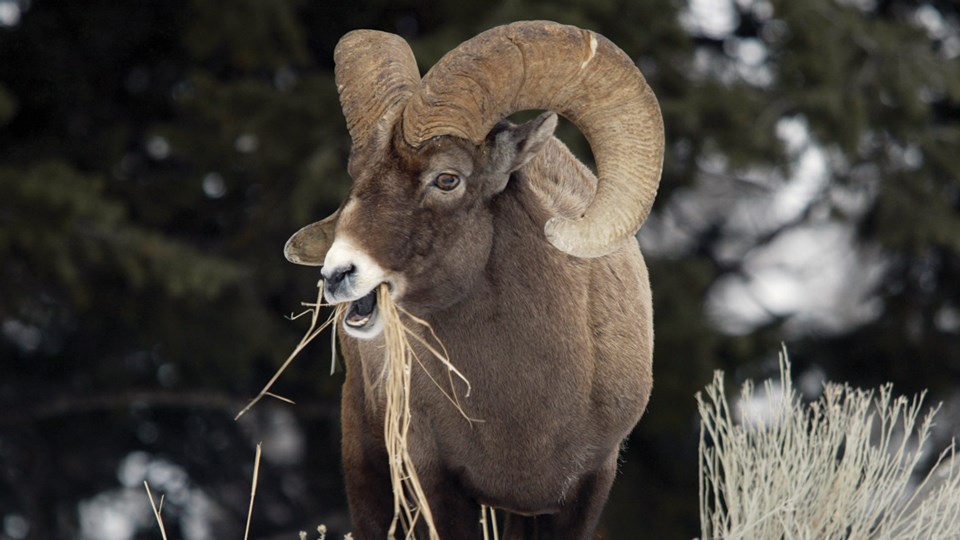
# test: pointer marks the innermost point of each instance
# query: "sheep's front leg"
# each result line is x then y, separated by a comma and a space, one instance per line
456, 515
579, 517
365, 470
371, 500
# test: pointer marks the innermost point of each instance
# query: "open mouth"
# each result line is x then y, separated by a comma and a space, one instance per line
363, 311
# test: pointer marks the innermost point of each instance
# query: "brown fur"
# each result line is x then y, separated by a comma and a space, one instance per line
558, 349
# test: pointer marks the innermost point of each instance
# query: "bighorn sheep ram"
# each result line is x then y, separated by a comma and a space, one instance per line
524, 263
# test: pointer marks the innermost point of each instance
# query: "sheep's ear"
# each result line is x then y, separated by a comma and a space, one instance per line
309, 245
514, 146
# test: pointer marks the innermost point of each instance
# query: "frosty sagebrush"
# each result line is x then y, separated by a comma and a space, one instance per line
838, 468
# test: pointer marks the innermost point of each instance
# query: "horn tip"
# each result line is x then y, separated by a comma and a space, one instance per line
567, 236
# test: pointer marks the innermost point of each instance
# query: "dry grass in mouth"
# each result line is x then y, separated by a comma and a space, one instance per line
400, 335
409, 500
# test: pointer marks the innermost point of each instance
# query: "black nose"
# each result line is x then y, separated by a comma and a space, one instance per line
332, 277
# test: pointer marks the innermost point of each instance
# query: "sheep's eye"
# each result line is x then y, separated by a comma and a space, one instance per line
446, 181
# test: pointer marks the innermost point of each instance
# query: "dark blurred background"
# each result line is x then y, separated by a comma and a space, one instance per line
155, 155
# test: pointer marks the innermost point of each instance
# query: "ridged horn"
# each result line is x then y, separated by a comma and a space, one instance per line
577, 73
376, 73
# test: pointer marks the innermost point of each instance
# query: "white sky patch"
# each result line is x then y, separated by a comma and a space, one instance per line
214, 186
813, 273
709, 63
762, 9
810, 383
749, 60
246, 143
158, 147
793, 131
26, 336
114, 515
712, 18
862, 5
809, 180
943, 29
751, 51
277, 430
10, 13
951, 47
120, 514
740, 203
742, 59
947, 319
15, 526
928, 18
907, 157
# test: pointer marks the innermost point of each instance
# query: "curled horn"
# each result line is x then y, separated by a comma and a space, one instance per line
376, 74
577, 73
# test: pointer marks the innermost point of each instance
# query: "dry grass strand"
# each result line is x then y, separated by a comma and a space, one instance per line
312, 332
253, 491
489, 522
156, 510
